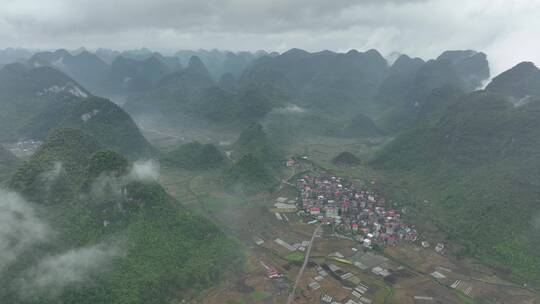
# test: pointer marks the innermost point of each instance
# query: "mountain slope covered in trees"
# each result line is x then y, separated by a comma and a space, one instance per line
115, 235
192, 91
195, 156
478, 162
8, 162
35, 101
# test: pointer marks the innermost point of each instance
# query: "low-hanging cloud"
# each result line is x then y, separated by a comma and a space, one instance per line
144, 170
50, 176
291, 109
54, 273
23, 229
107, 186
110, 185
20, 228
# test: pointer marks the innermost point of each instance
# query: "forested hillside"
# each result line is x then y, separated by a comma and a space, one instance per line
34, 101
478, 159
113, 234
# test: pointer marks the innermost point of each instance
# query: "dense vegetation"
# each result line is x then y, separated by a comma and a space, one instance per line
25, 92
291, 124
99, 117
241, 107
155, 251
58, 165
195, 156
249, 175
8, 162
346, 159
326, 80
257, 159
477, 160
360, 125
253, 140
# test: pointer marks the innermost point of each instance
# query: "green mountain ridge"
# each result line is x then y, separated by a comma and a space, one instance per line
192, 91
249, 175
253, 140
223, 62
477, 161
65, 153
129, 75
162, 250
26, 91
35, 101
86, 68
346, 159
256, 159
326, 81
8, 162
171, 62
195, 156
173, 92
97, 116
291, 123
411, 84
519, 82
334, 86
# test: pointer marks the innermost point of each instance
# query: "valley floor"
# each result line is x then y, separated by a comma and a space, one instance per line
421, 274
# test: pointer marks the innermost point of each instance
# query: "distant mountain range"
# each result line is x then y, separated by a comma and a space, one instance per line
85, 67
108, 71
128, 75
332, 85
344, 84
314, 78
13, 55
193, 91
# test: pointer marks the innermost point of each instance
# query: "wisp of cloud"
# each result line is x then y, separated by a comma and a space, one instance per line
20, 227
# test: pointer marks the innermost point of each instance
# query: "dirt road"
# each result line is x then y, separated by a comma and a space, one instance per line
306, 259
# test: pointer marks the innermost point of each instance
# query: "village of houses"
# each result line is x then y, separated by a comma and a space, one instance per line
350, 264
365, 249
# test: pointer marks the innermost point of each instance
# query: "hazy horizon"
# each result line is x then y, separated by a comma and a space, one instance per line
420, 28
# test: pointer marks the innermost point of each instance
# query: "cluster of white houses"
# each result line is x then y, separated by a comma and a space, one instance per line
333, 200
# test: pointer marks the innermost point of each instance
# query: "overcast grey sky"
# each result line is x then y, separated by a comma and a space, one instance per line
507, 30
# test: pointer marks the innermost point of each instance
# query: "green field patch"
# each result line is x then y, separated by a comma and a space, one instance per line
259, 295
463, 297
295, 256
213, 202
